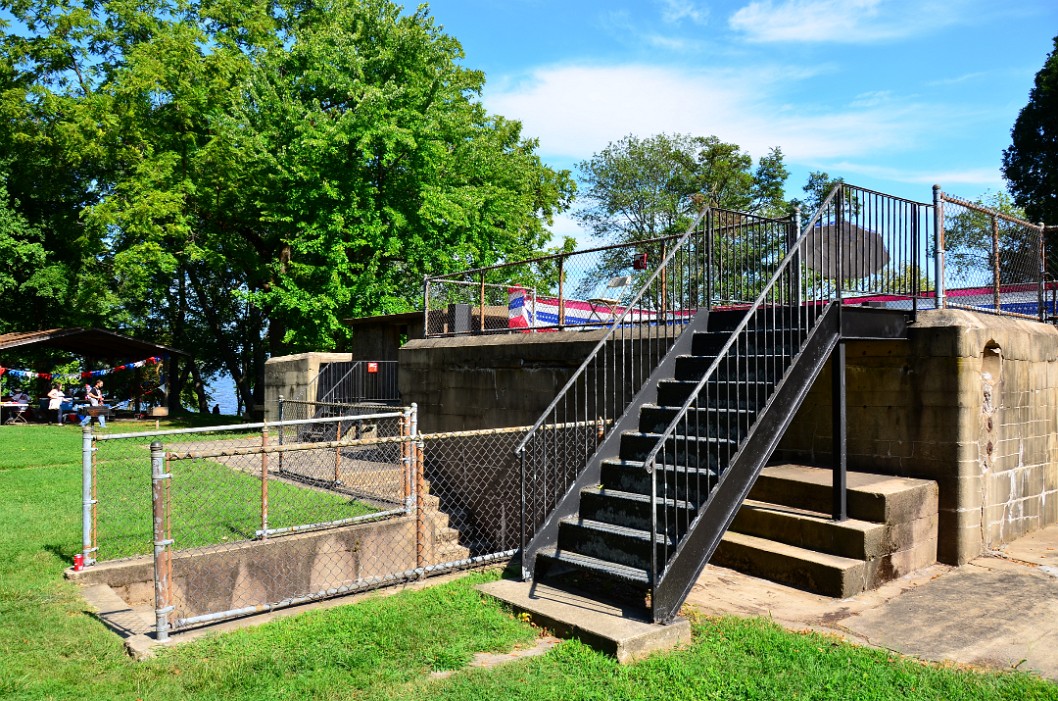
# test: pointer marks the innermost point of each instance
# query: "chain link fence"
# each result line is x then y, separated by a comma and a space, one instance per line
226, 522
570, 290
994, 262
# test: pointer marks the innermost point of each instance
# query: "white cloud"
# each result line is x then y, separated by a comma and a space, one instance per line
675, 11
841, 21
577, 110
979, 178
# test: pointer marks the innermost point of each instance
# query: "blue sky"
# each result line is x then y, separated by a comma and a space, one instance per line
893, 95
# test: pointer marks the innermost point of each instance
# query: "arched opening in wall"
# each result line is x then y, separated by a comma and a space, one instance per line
992, 363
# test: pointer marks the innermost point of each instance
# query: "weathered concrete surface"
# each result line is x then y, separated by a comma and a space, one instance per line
998, 611
969, 401
616, 631
290, 376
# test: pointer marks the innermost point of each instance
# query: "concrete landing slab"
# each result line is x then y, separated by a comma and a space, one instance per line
995, 612
624, 633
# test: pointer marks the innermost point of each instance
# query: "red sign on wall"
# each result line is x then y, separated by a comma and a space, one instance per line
372, 367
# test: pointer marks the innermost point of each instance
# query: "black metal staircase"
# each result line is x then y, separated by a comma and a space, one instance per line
657, 515
644, 502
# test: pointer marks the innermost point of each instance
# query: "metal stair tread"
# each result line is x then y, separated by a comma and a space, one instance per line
616, 529
631, 574
643, 498
720, 409
792, 551
676, 436
640, 465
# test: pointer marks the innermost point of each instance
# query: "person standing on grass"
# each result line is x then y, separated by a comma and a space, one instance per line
55, 400
94, 395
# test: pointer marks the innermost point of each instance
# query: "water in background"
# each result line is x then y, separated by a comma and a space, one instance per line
222, 389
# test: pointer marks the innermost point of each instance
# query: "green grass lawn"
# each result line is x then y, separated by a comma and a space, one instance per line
387, 646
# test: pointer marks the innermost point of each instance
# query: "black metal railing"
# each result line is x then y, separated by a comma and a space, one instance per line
567, 435
860, 246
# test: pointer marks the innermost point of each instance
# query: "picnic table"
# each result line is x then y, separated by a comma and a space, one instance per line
15, 412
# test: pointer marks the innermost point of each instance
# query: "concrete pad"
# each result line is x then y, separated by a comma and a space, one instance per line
624, 633
997, 611
991, 613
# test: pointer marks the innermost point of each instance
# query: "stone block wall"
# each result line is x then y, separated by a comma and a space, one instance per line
473, 382
290, 376
970, 401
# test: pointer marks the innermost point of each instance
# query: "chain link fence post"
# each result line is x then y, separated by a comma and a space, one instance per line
88, 501
162, 543
264, 481
939, 299
281, 432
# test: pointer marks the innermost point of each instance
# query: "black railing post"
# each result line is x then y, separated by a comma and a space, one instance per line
838, 266
839, 460
793, 231
709, 261
916, 263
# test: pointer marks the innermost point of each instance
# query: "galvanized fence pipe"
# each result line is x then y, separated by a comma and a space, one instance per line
281, 431
88, 501
264, 481
938, 247
163, 542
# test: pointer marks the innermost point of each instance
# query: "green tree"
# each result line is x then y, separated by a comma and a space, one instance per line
1030, 163
253, 173
639, 189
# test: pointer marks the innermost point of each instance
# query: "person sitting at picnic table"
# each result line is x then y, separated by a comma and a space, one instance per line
55, 400
94, 395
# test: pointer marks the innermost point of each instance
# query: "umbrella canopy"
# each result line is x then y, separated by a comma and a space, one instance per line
848, 252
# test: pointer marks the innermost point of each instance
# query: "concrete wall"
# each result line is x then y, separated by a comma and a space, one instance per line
223, 578
917, 408
970, 401
290, 375
471, 382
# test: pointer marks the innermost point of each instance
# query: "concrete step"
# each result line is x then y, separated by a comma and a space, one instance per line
871, 497
852, 538
784, 531
829, 575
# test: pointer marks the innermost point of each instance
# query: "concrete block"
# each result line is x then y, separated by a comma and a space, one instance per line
824, 574
621, 632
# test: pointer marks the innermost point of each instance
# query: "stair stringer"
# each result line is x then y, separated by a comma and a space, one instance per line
716, 515
547, 534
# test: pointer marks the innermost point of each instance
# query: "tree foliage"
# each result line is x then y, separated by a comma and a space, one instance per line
637, 189
1030, 163
239, 176
640, 189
